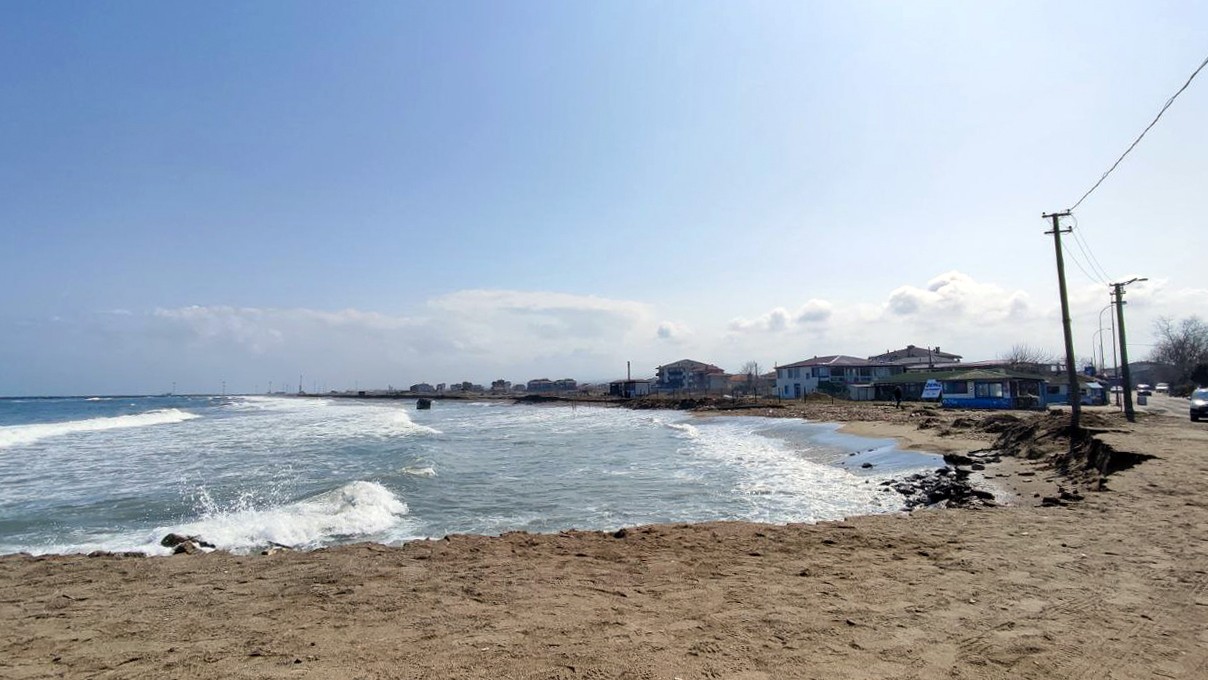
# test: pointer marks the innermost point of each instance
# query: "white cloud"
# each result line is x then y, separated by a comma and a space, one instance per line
815, 311
672, 332
463, 335
480, 335
954, 295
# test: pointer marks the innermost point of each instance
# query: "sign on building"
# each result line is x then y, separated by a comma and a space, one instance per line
932, 389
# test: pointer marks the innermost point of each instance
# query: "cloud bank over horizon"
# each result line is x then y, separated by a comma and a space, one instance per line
480, 335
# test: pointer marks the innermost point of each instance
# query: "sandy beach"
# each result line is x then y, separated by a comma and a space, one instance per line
1114, 585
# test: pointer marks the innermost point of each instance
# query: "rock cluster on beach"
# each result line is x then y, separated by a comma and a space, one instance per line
184, 545
947, 487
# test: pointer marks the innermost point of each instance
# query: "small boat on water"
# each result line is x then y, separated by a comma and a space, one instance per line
423, 404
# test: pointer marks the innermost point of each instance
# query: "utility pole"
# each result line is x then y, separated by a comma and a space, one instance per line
1126, 388
1071, 371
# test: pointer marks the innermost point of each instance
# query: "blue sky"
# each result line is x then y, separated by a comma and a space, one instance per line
384, 193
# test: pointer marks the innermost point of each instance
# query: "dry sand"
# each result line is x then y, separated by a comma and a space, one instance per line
1113, 586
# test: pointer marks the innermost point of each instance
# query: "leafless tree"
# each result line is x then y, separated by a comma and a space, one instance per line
1027, 354
1182, 345
751, 371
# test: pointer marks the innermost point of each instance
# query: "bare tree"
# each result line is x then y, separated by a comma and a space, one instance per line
1027, 354
1182, 345
751, 371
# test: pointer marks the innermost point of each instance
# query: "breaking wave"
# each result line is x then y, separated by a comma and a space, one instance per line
17, 435
356, 509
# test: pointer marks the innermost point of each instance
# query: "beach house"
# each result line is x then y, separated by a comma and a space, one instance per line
830, 373
979, 388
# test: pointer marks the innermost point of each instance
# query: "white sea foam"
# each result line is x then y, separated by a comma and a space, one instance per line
17, 435
688, 431
419, 471
353, 510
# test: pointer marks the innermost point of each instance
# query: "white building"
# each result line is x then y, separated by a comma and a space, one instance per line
798, 379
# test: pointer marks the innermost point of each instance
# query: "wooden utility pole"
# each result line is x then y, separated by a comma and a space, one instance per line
1126, 388
1071, 370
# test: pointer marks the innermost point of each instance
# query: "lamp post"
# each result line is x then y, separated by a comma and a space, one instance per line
1099, 336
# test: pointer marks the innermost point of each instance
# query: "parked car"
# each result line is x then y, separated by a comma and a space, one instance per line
1162, 388
1199, 404
1144, 390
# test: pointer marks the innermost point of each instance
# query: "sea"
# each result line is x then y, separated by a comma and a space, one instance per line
84, 474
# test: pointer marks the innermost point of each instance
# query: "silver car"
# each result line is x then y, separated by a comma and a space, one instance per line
1199, 404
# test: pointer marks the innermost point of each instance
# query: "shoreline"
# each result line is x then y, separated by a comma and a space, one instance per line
905, 439
1114, 581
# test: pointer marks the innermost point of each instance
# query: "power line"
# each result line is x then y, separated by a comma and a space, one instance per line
1138, 139
1069, 252
1086, 246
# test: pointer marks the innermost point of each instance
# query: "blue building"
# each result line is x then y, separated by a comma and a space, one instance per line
976, 388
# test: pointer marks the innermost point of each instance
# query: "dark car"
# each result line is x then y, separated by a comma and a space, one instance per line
1144, 390
1199, 403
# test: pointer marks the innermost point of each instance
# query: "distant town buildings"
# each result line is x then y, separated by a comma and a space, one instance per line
918, 373
547, 386
687, 375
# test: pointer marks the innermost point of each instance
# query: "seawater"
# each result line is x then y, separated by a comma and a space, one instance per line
117, 473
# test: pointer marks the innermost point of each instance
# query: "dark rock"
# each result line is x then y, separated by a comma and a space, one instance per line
173, 540
866, 465
957, 459
1067, 495
978, 466
1052, 501
944, 488
186, 548
620, 533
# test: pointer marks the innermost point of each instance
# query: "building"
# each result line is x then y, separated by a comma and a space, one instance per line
547, 386
831, 373
687, 375
540, 386
629, 388
1093, 392
916, 356
500, 386
973, 388
422, 388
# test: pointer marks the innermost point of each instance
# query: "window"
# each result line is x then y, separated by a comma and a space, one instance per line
992, 390
956, 387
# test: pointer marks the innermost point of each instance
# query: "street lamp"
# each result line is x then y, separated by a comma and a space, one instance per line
1102, 354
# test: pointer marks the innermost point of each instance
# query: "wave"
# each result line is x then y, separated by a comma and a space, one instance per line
419, 471
18, 435
283, 403
355, 509
401, 423
686, 430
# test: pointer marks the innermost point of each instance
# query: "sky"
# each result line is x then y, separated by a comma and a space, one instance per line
373, 194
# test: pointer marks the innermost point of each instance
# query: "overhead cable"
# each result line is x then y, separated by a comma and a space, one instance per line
1138, 139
